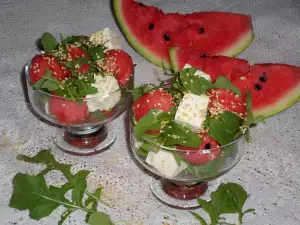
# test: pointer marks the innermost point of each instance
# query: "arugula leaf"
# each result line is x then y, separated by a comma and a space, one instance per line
32, 193
224, 128
98, 115
144, 88
65, 215
200, 218
47, 82
228, 198
79, 186
191, 82
71, 40
223, 82
48, 41
199, 85
45, 157
97, 52
175, 133
153, 121
250, 119
99, 218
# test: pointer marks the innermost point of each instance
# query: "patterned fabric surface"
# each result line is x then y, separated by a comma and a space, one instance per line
269, 169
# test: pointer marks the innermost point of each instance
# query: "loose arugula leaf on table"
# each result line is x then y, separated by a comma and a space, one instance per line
49, 42
32, 193
99, 218
47, 82
45, 157
153, 121
228, 198
175, 133
224, 128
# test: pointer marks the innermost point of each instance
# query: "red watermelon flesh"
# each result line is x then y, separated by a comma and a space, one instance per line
212, 65
152, 32
273, 87
205, 30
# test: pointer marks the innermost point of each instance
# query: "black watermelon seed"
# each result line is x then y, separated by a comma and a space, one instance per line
263, 77
215, 57
151, 26
207, 146
203, 55
166, 37
201, 30
257, 87
141, 4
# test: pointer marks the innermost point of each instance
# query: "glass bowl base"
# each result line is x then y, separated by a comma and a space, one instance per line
84, 141
178, 196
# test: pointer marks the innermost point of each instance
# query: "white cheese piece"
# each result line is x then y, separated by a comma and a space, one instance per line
199, 73
165, 163
107, 96
192, 110
105, 37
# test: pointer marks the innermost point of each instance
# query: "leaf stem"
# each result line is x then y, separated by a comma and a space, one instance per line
66, 204
98, 199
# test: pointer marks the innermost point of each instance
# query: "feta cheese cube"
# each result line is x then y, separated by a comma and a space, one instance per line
192, 110
165, 163
108, 95
105, 37
199, 73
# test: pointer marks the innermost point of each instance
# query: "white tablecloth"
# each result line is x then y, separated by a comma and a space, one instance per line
269, 169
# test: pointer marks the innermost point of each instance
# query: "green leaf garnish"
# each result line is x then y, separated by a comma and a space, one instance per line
32, 192
224, 128
143, 89
228, 198
153, 121
49, 42
223, 82
199, 85
97, 52
175, 133
47, 82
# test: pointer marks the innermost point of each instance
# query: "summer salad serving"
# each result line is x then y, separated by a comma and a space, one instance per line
190, 126
82, 77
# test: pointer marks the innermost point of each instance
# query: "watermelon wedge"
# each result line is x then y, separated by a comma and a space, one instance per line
151, 32
212, 65
274, 87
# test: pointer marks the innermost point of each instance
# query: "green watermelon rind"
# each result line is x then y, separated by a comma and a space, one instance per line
242, 44
286, 101
233, 50
141, 49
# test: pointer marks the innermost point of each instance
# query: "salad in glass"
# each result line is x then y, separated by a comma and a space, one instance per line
188, 132
81, 83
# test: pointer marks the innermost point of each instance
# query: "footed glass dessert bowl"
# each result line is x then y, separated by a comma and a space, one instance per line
83, 128
184, 173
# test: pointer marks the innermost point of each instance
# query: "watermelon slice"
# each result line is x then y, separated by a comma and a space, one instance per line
212, 65
274, 87
152, 32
